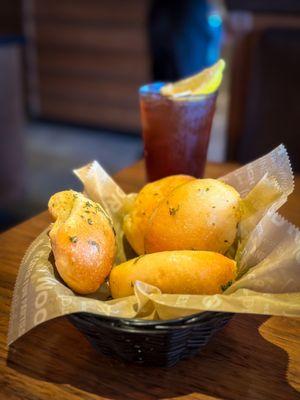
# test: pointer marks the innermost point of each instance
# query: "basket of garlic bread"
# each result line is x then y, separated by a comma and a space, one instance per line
180, 229
149, 277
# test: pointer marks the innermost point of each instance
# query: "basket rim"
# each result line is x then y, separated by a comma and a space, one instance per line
158, 324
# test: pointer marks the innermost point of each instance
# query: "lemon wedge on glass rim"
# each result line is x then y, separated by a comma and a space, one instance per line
205, 82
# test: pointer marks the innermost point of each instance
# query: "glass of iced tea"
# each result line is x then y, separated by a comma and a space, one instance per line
176, 131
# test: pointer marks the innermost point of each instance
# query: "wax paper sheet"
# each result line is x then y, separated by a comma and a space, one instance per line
267, 251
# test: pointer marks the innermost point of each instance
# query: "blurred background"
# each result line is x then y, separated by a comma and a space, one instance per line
70, 72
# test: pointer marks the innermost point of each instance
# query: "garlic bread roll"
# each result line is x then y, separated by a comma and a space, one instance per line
177, 272
202, 214
82, 239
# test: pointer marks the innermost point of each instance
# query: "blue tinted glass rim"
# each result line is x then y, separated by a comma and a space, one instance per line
154, 89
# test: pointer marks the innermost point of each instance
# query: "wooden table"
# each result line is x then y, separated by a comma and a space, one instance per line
55, 361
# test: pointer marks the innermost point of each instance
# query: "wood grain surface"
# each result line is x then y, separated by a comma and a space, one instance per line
55, 361
289, 340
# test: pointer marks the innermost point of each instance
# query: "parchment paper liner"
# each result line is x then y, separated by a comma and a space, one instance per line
268, 255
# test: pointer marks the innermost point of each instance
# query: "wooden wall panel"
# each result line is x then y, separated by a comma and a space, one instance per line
91, 89
86, 60
115, 66
88, 113
125, 12
10, 17
98, 38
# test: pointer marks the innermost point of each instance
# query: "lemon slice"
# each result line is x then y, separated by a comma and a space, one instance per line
205, 82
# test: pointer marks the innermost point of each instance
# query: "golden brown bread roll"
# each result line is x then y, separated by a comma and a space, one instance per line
177, 272
136, 221
183, 213
82, 239
202, 214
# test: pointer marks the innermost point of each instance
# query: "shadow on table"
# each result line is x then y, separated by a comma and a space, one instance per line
238, 363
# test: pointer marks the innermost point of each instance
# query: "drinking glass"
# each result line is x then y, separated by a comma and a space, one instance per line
176, 131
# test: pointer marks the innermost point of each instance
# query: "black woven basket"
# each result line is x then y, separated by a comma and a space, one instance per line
152, 343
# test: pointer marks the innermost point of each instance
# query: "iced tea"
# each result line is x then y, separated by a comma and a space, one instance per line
175, 131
